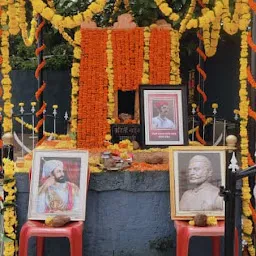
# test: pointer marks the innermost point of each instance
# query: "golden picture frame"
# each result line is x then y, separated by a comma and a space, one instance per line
196, 173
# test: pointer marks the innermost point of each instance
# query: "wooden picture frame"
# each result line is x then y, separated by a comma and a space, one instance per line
196, 173
58, 184
163, 115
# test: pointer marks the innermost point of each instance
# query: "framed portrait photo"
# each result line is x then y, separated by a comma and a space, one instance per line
163, 115
58, 184
196, 174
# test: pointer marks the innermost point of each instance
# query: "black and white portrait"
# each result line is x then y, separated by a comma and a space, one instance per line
197, 177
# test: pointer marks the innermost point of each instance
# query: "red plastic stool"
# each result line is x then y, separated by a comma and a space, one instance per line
73, 231
185, 231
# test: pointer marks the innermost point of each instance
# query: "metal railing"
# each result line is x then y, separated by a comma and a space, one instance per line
28, 120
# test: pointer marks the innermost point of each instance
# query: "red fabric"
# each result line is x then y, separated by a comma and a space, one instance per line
161, 103
72, 169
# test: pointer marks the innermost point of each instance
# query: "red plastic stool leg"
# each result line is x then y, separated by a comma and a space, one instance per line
23, 244
76, 246
215, 245
182, 243
39, 246
236, 243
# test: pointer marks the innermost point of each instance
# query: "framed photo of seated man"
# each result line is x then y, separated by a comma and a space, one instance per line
58, 184
163, 115
196, 174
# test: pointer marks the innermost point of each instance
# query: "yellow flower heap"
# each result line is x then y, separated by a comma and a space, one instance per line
10, 217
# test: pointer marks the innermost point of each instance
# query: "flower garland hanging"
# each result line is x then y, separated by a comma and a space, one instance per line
93, 90
110, 73
166, 10
70, 21
145, 76
159, 56
211, 35
13, 21
244, 105
128, 50
188, 16
175, 58
6, 68
115, 9
10, 216
75, 82
21, 17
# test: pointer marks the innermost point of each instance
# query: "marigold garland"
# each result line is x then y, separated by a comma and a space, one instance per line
250, 41
201, 53
188, 17
202, 93
21, 17
5, 70
244, 106
221, 11
199, 138
128, 48
175, 58
92, 111
159, 56
10, 216
166, 10
145, 76
13, 21
110, 73
70, 21
75, 85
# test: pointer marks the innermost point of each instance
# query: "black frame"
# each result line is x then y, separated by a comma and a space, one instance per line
170, 88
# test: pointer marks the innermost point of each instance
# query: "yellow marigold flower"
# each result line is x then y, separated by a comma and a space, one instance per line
191, 222
211, 221
247, 226
77, 53
108, 137
174, 17
165, 9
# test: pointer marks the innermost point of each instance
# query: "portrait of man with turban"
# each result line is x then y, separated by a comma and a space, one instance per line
56, 194
161, 121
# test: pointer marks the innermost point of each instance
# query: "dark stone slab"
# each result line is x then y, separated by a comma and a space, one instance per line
127, 214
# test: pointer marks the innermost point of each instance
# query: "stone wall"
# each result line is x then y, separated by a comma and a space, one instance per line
128, 214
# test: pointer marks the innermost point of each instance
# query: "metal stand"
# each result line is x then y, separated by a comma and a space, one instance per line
229, 193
